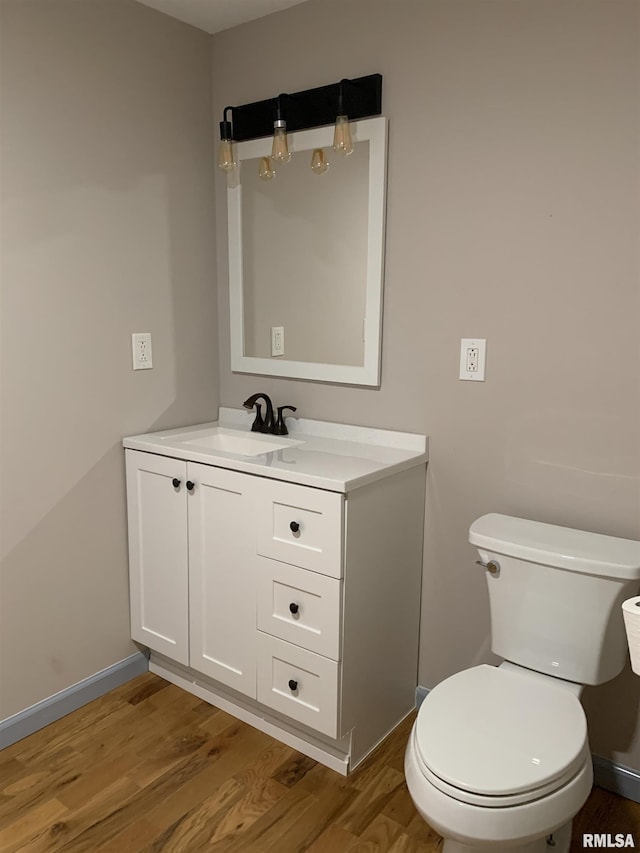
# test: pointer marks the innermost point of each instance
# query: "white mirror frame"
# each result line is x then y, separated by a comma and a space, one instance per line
375, 131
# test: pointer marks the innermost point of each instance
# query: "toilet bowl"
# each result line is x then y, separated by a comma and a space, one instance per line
499, 760
498, 757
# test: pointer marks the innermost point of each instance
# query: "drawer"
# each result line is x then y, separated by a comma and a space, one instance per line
298, 683
299, 606
300, 526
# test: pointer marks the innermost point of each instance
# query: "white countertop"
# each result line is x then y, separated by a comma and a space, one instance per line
337, 457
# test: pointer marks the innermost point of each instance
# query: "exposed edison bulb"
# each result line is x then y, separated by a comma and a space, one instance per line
342, 142
265, 169
226, 159
319, 164
280, 150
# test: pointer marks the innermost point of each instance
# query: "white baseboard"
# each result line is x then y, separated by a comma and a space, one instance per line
607, 774
38, 716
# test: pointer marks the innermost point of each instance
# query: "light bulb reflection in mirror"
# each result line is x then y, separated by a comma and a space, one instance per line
342, 142
265, 169
319, 163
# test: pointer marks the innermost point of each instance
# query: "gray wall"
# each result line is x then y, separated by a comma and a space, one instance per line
513, 214
107, 229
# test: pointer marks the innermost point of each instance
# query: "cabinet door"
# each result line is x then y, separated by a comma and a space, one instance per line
222, 555
158, 574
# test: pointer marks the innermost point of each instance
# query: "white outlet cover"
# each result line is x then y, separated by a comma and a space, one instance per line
479, 344
277, 340
141, 351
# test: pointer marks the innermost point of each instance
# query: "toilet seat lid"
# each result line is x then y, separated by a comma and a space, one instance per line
496, 732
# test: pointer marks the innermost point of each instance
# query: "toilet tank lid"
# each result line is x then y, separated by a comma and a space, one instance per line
561, 547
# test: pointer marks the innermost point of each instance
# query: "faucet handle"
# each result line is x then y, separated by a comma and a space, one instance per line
280, 427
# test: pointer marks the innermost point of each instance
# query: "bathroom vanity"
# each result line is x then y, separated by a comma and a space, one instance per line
278, 578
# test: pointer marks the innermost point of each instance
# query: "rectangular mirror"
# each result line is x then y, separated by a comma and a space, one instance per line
306, 255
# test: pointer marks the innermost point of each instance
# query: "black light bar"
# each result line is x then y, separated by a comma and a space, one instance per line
361, 98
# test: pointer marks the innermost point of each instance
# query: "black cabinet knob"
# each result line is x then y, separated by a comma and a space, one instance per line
294, 608
176, 482
191, 486
293, 685
294, 526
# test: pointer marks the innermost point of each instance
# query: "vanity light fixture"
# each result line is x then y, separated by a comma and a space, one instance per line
226, 158
342, 141
319, 163
355, 99
280, 149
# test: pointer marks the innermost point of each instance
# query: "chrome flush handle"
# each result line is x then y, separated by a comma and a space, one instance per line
492, 567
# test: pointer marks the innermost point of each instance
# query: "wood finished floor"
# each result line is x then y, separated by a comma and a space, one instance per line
149, 767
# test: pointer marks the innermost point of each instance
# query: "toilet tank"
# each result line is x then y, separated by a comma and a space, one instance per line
556, 598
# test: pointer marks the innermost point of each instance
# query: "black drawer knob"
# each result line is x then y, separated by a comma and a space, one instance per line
294, 526
293, 607
176, 482
293, 685
190, 485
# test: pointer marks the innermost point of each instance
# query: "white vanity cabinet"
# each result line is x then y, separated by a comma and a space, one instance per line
292, 606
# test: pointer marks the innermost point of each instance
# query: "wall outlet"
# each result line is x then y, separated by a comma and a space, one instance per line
142, 354
473, 356
277, 340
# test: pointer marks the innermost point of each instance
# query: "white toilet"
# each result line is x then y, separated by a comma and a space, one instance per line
498, 757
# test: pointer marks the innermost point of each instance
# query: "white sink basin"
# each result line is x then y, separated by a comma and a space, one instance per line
233, 441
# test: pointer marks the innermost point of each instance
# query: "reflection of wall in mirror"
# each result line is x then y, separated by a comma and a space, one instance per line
304, 257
